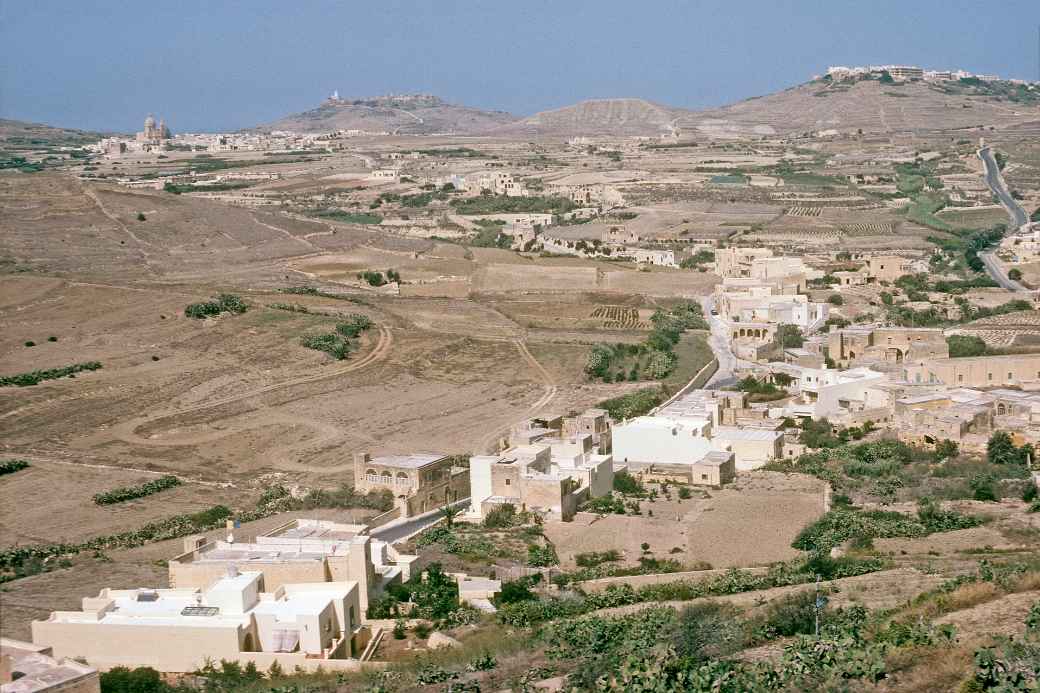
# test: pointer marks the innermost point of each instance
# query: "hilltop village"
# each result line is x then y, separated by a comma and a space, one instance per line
745, 399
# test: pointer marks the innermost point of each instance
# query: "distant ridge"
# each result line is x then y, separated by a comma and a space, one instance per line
398, 114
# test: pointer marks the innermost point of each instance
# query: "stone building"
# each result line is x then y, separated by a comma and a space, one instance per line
891, 344
975, 371
419, 482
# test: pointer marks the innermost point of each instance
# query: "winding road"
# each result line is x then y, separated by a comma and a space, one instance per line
1018, 217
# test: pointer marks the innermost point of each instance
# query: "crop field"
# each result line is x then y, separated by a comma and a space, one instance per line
804, 211
875, 229
620, 317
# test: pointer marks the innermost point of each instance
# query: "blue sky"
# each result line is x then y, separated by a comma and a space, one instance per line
213, 65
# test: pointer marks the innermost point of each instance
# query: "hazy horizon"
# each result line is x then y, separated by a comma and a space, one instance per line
234, 65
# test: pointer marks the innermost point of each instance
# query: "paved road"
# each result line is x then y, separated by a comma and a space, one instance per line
1018, 216
996, 184
720, 345
996, 270
399, 530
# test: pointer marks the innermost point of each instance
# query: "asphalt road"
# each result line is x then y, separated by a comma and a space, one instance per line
720, 345
1018, 216
399, 530
996, 184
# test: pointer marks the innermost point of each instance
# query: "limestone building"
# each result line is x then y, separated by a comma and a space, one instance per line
890, 344
419, 482
551, 478
975, 371
178, 630
300, 551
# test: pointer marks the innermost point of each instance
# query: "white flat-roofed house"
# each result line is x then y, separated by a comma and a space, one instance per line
553, 477
300, 551
177, 630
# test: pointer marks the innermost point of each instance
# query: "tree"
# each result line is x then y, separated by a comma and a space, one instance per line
1001, 449
835, 300
449, 513
790, 336
1014, 274
946, 450
886, 298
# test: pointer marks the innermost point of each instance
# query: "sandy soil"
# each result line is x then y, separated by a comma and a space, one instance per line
752, 522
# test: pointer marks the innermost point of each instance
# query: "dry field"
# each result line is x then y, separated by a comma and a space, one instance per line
751, 522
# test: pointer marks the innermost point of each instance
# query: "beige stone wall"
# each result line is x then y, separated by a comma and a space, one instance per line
167, 649
986, 371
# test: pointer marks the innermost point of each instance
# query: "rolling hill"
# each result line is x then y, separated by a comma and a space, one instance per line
398, 114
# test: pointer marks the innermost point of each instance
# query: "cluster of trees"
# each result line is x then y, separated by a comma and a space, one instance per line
224, 303
337, 344
502, 204
377, 278
35, 377
125, 493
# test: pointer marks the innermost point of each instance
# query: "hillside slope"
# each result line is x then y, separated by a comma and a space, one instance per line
19, 135
599, 117
408, 114
867, 105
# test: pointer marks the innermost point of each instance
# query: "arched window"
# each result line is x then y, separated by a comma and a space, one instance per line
402, 478
370, 472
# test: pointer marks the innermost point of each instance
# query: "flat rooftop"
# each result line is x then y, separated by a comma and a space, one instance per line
734, 433
39, 671
415, 461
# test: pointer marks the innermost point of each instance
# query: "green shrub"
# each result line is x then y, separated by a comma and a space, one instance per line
331, 343
12, 466
628, 484
224, 303
125, 493
35, 377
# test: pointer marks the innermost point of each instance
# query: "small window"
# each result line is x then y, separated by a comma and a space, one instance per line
704, 477
960, 378
990, 376
1010, 377
507, 482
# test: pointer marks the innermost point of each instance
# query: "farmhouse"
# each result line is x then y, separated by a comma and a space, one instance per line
976, 371
885, 344
419, 482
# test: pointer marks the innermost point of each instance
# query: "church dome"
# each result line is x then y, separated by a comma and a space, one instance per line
149, 122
